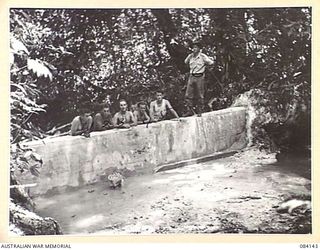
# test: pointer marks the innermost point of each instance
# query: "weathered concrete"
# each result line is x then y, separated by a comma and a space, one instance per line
193, 161
77, 161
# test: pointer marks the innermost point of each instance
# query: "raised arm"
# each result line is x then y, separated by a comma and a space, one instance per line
187, 60
207, 60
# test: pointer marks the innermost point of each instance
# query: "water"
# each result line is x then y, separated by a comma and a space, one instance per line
239, 192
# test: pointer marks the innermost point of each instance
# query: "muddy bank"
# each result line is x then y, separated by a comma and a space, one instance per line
238, 194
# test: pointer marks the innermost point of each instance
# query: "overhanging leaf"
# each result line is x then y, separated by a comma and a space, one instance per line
17, 46
39, 68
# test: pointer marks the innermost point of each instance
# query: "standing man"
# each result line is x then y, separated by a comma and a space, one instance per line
103, 119
81, 124
160, 107
197, 62
124, 118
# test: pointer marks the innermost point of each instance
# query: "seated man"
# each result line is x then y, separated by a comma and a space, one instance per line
160, 107
140, 114
103, 119
82, 123
124, 118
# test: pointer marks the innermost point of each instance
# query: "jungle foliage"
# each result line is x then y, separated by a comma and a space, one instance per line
65, 59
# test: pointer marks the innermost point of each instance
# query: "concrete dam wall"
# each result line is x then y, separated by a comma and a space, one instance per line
72, 161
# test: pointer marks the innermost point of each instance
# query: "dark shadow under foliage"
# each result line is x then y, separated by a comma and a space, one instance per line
65, 59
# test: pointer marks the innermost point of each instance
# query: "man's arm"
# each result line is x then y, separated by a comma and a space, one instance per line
79, 132
97, 123
152, 111
187, 60
173, 112
147, 118
135, 114
115, 121
88, 128
207, 60
74, 127
108, 124
133, 120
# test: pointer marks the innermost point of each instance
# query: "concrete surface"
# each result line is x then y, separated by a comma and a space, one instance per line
78, 161
237, 194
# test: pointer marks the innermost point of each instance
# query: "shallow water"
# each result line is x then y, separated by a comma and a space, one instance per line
241, 190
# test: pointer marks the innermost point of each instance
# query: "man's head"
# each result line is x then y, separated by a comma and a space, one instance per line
196, 47
84, 113
123, 105
159, 95
142, 107
105, 110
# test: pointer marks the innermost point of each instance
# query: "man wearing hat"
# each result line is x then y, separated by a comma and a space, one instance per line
195, 87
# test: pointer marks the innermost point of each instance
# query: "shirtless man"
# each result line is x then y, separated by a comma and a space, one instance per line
160, 107
81, 124
140, 114
103, 119
124, 118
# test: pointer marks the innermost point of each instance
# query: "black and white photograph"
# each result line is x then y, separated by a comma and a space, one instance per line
160, 121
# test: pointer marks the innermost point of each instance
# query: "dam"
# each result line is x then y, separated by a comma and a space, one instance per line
76, 161
196, 175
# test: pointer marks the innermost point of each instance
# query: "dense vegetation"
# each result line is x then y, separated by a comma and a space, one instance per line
63, 59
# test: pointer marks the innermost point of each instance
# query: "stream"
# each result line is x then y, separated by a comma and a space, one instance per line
237, 194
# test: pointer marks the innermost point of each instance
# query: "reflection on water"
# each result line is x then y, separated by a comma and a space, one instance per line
299, 166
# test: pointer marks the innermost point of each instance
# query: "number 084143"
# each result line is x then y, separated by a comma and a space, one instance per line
308, 245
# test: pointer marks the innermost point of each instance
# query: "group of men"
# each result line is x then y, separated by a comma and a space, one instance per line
159, 109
